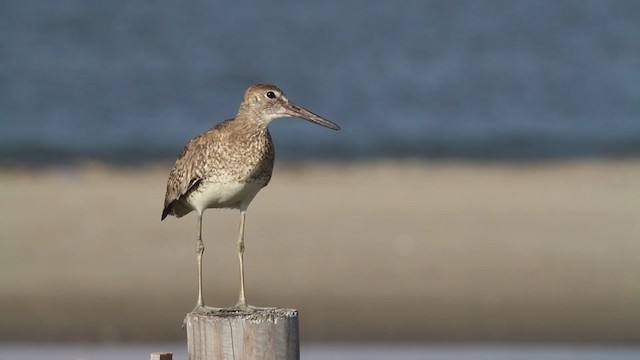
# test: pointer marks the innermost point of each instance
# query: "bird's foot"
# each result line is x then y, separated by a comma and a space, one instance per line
236, 309
241, 307
199, 309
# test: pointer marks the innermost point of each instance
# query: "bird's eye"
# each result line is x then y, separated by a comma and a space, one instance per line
271, 95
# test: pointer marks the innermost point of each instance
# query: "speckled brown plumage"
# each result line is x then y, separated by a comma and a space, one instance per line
227, 165
232, 151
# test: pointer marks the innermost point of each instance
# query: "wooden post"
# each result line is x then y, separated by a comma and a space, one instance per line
221, 334
161, 356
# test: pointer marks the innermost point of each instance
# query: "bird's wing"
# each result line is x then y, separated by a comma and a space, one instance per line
188, 170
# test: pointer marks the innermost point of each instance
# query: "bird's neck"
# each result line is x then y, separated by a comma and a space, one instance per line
251, 125
251, 118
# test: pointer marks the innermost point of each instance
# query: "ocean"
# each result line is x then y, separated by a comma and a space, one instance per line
129, 82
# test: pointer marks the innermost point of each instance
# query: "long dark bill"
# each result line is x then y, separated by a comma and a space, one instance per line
297, 111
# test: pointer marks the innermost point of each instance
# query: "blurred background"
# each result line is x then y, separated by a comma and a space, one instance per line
485, 186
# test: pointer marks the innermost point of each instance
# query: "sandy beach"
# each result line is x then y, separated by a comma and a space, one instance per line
380, 251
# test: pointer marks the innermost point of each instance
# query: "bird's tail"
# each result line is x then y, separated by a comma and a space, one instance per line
176, 209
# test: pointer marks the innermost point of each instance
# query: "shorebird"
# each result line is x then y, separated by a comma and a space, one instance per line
227, 165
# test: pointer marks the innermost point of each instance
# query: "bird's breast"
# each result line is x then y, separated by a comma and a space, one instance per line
236, 167
212, 194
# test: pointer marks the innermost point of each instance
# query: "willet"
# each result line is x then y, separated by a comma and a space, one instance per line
227, 165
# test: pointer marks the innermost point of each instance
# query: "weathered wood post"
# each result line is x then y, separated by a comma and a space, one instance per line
264, 333
161, 356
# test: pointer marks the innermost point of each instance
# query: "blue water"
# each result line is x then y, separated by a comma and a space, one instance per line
337, 352
133, 81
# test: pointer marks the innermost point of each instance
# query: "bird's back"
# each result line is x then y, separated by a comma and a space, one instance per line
231, 157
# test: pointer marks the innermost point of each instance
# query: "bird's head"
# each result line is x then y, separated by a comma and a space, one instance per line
264, 103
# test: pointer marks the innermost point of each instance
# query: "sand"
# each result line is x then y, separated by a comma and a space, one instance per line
380, 251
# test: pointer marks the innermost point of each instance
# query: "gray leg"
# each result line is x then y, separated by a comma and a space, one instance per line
242, 302
199, 252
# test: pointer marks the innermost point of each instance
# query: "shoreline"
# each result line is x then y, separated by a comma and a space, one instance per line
476, 252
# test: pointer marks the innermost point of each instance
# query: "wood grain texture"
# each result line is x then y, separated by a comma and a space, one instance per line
266, 333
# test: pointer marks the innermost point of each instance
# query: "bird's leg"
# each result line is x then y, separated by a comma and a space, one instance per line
242, 302
200, 308
199, 252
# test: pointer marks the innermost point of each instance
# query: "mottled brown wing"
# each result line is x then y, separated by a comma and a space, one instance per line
187, 172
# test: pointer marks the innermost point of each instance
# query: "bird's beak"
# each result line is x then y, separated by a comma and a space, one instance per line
297, 111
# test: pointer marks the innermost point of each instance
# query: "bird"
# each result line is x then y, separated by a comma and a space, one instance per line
227, 165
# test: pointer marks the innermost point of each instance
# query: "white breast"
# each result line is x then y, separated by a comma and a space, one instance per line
233, 195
